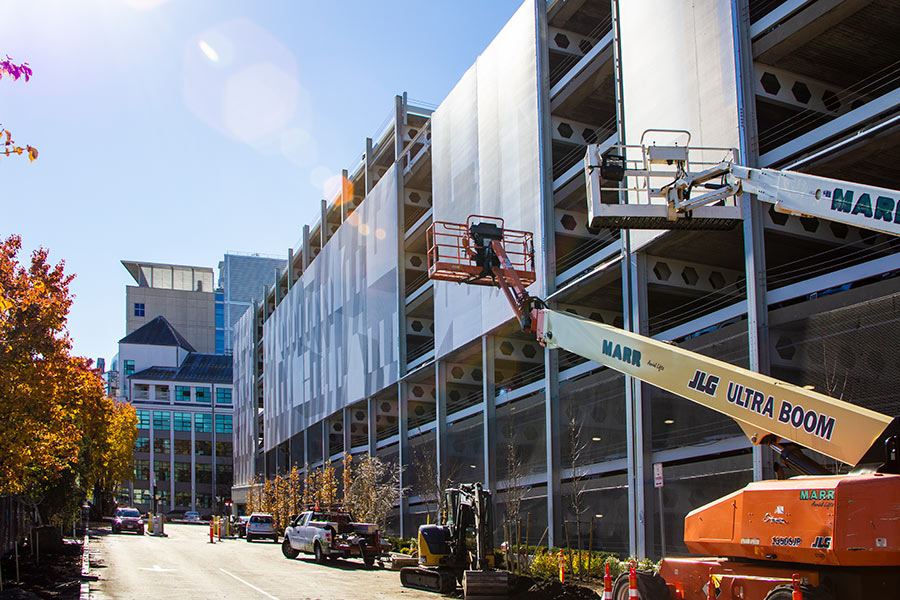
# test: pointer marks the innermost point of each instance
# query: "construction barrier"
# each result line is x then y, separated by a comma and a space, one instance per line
211, 539
797, 594
562, 568
632, 582
607, 584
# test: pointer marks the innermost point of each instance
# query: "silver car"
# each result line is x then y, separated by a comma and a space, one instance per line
261, 525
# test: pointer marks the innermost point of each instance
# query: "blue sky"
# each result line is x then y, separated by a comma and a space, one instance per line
177, 130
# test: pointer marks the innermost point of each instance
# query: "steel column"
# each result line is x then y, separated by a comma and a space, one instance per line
489, 421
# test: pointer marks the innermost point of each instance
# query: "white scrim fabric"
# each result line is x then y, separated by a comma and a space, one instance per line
759, 403
485, 160
243, 387
333, 339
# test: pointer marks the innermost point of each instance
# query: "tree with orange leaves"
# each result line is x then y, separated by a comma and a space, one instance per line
9, 147
60, 436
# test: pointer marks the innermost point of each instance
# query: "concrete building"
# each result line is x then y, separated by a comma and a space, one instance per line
354, 349
182, 294
243, 278
183, 452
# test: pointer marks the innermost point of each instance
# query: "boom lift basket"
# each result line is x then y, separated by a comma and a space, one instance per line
454, 250
649, 179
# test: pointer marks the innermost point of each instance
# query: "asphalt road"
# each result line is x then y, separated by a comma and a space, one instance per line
186, 565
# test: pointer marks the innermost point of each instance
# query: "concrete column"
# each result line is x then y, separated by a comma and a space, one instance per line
346, 194
326, 447
405, 457
554, 425
489, 420
291, 275
370, 178
277, 286
307, 249
323, 224
348, 421
370, 414
400, 121
440, 432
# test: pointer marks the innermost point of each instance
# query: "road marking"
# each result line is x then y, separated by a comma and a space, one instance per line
263, 592
156, 568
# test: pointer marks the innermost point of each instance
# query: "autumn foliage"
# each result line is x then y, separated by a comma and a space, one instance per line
60, 436
9, 147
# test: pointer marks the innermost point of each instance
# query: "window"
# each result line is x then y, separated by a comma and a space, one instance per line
224, 474
181, 421
201, 394
204, 473
129, 367
204, 500
139, 309
141, 470
183, 499
161, 420
223, 395
203, 423
220, 341
142, 444
163, 496
223, 449
223, 423
182, 472
203, 447
162, 471
141, 496
183, 447
182, 393
161, 445
143, 419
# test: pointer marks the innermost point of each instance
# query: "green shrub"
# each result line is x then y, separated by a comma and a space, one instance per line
583, 565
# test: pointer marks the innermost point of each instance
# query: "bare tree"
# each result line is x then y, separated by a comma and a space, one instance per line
513, 495
431, 485
576, 499
375, 490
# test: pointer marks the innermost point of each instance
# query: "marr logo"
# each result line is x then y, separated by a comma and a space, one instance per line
621, 352
885, 209
817, 494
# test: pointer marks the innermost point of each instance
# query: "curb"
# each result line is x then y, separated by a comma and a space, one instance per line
85, 593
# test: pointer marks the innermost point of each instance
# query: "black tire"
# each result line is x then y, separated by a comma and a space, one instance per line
249, 538
115, 530
369, 561
650, 587
786, 592
287, 550
141, 531
275, 538
321, 557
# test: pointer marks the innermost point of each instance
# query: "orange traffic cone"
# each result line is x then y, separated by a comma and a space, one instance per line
607, 585
632, 582
796, 594
562, 568
211, 540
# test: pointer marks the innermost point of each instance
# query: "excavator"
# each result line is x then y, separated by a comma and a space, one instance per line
460, 548
839, 535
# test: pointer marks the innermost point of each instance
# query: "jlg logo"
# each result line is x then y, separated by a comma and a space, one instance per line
823, 543
704, 382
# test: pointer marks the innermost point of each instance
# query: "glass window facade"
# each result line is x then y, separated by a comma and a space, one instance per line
202, 394
142, 444
204, 500
204, 473
224, 475
143, 417
223, 423
203, 423
141, 470
203, 447
129, 367
223, 449
141, 496
161, 420
183, 499
182, 472
161, 446
181, 421
223, 395
182, 393
183, 447
139, 309
162, 470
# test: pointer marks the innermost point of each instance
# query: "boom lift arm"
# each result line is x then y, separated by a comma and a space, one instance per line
695, 194
768, 410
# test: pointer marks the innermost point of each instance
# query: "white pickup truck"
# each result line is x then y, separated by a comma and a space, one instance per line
333, 534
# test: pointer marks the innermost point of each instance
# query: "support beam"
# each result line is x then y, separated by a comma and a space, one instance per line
574, 132
307, 248
572, 223
323, 224
798, 91
372, 415
569, 42
489, 418
689, 275
406, 463
440, 434
370, 172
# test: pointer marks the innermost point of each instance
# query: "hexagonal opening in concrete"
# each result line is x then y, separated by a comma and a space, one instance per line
457, 372
337, 426
716, 280
565, 130
415, 260
867, 237
597, 317
568, 222
785, 347
506, 348
419, 410
585, 46
529, 351
359, 415
689, 275
589, 135
662, 271
418, 391
477, 374
839, 230
413, 132
801, 92
385, 407
770, 83
778, 218
453, 395
416, 326
415, 197
562, 40
810, 224
831, 101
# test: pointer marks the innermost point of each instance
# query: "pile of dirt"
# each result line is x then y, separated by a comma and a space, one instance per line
526, 588
56, 577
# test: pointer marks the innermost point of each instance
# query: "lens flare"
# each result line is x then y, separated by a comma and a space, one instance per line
208, 50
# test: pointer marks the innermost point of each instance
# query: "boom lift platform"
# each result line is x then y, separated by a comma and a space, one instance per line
840, 533
677, 186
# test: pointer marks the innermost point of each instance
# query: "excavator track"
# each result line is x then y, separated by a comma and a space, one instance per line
441, 581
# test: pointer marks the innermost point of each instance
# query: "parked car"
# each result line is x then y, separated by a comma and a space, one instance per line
333, 534
261, 525
128, 519
192, 516
240, 525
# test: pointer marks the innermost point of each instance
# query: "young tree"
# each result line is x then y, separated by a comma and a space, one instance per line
432, 486
374, 491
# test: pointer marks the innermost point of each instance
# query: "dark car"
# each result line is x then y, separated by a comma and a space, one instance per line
128, 519
240, 525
